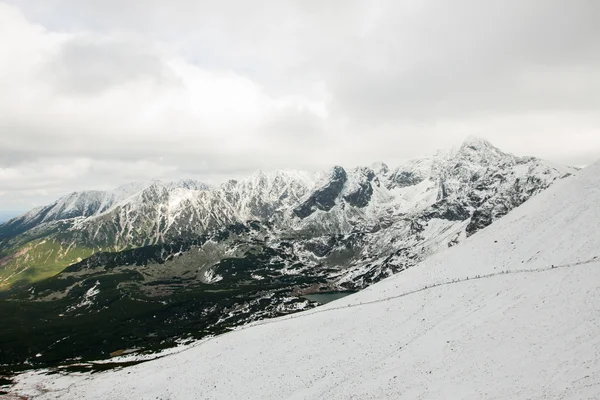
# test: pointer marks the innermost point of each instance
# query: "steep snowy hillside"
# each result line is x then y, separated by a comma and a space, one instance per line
362, 224
512, 312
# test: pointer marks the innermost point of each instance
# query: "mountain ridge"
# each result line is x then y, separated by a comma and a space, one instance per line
476, 181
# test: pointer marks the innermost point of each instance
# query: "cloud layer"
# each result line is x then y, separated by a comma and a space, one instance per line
97, 95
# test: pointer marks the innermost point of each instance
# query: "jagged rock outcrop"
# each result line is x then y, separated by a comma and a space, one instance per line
323, 197
359, 191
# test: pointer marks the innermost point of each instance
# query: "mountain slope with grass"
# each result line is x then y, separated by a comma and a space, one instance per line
511, 312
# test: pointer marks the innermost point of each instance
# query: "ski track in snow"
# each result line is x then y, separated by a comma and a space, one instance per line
331, 380
427, 287
324, 309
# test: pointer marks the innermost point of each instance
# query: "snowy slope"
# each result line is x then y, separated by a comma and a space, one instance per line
512, 312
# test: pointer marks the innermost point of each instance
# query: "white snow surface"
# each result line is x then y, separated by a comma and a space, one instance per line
511, 313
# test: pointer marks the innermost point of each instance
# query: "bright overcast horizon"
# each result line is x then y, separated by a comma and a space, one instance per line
95, 96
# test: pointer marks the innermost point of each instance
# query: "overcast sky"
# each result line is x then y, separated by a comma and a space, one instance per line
96, 94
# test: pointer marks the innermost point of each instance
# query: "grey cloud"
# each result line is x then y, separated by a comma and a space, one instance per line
394, 79
456, 59
298, 125
89, 66
450, 57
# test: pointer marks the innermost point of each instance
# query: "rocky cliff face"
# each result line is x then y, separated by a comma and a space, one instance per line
324, 196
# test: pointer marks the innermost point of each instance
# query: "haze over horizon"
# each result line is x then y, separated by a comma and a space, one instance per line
100, 95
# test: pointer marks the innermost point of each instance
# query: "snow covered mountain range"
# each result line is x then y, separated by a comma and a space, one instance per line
172, 262
366, 222
512, 312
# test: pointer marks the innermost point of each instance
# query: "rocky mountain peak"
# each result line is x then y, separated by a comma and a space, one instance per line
324, 196
188, 184
481, 151
477, 143
337, 173
358, 189
380, 168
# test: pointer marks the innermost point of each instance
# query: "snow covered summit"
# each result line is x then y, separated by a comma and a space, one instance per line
512, 312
